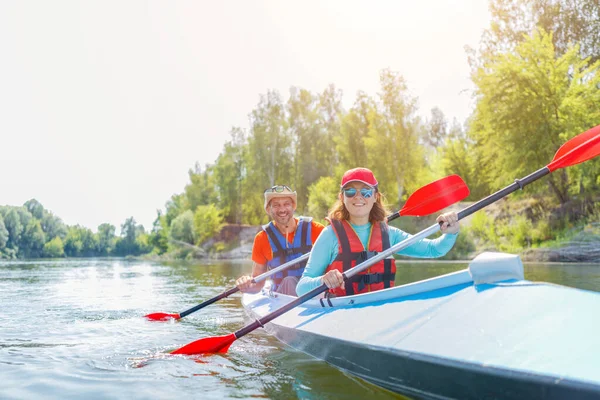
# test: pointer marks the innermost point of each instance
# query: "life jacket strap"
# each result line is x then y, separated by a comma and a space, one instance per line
370, 279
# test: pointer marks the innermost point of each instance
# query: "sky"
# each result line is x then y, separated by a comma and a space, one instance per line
106, 105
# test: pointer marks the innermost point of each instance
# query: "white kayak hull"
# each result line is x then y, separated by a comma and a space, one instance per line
483, 332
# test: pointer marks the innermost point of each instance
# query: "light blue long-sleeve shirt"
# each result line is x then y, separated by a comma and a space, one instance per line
325, 250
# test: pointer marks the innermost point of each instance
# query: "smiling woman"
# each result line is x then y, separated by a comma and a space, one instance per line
359, 231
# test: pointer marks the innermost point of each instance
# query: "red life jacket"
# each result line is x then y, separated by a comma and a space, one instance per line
351, 252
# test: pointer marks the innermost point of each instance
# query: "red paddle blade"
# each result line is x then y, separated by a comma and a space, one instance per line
435, 196
160, 316
577, 150
216, 344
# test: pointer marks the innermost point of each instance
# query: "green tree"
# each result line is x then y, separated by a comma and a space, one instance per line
54, 248
35, 208
208, 221
354, 128
202, 189
12, 223
159, 236
182, 228
3, 234
321, 196
395, 155
80, 242
571, 21
52, 226
127, 244
229, 171
32, 240
437, 129
106, 239
529, 102
175, 206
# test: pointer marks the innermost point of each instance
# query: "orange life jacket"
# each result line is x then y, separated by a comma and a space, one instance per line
351, 252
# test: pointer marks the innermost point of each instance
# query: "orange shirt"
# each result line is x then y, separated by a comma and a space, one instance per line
261, 250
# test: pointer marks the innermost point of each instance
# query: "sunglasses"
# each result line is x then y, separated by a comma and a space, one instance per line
364, 192
278, 189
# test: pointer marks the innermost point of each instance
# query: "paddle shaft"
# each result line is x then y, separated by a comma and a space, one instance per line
208, 302
518, 184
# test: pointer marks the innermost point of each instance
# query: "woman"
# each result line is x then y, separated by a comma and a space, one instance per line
357, 232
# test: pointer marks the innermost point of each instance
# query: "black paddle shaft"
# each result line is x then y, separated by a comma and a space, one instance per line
518, 184
209, 301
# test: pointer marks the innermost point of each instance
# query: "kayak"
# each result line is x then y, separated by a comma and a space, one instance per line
482, 332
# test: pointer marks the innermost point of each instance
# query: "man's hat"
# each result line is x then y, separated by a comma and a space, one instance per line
279, 191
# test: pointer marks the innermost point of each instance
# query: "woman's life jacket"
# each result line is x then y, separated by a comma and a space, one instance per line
351, 252
284, 252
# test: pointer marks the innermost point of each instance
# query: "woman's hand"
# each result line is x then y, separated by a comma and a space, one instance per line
333, 279
449, 222
244, 283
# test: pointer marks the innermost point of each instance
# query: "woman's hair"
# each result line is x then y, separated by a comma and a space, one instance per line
378, 212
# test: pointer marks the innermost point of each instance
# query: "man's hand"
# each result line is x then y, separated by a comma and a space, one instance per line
244, 283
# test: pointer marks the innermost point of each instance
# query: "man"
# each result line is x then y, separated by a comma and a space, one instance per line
283, 239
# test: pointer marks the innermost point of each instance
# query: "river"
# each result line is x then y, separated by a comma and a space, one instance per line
74, 329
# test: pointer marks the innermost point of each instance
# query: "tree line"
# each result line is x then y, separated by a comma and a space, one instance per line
31, 231
537, 81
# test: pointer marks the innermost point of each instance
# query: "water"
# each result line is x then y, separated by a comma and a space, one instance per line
74, 329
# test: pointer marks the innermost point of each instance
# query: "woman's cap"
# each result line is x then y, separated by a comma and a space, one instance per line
363, 175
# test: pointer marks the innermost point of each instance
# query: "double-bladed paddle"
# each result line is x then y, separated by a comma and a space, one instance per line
577, 150
426, 200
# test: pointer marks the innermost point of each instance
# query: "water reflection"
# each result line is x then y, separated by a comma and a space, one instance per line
75, 327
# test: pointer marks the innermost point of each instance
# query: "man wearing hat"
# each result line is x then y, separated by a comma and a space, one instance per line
283, 239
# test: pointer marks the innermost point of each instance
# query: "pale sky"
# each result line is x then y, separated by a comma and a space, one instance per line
106, 105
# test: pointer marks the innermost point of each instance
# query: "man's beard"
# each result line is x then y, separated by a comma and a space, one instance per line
282, 220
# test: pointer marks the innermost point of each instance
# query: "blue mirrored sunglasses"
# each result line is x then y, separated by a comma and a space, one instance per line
364, 192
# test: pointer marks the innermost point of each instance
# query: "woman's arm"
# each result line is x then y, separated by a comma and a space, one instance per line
424, 248
323, 253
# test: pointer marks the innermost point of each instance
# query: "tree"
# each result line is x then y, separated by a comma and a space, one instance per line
13, 225
80, 242
394, 153
159, 236
182, 228
202, 189
229, 171
270, 153
54, 248
3, 234
175, 206
571, 21
106, 239
52, 226
321, 196
529, 103
207, 222
127, 243
32, 240
437, 128
35, 208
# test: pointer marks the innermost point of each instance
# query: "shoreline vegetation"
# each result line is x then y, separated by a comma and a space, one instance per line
536, 86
